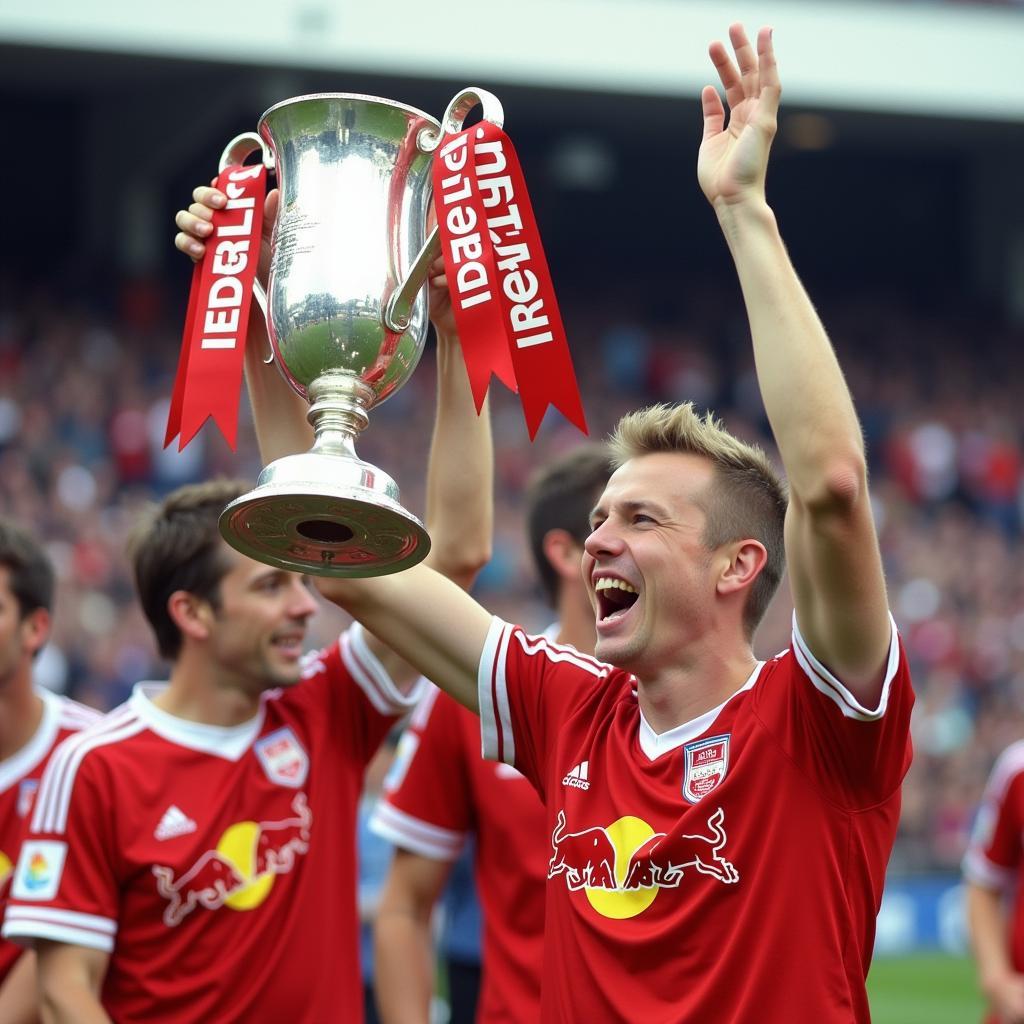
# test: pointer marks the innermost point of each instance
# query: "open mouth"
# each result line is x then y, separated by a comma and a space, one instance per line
614, 598
290, 646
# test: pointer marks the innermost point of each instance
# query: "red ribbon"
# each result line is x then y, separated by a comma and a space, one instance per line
209, 379
502, 294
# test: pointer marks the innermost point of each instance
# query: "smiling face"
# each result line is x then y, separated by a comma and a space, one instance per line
258, 625
651, 577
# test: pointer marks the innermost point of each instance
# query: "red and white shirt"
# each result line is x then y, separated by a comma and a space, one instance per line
439, 791
19, 779
215, 865
729, 869
995, 855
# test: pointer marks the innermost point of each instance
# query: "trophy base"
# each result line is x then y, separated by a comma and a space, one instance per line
325, 530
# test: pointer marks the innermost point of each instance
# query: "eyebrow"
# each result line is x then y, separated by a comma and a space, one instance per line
639, 505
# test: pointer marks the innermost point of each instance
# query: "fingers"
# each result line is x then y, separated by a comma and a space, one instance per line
747, 60
767, 69
714, 112
727, 73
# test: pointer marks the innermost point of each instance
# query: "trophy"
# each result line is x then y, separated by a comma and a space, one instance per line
346, 312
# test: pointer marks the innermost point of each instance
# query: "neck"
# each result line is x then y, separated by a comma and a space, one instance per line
21, 711
681, 693
576, 620
197, 693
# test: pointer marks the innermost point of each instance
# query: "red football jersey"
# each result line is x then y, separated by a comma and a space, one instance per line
729, 869
215, 865
19, 779
439, 791
995, 856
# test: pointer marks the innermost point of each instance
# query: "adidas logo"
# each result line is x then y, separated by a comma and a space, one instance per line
579, 777
175, 822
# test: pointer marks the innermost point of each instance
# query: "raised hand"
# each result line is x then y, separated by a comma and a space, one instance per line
733, 158
195, 225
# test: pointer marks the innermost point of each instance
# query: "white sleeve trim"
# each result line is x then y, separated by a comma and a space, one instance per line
977, 868
831, 687
497, 741
414, 834
23, 924
373, 678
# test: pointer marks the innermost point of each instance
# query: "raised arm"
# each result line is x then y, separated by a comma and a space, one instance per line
831, 547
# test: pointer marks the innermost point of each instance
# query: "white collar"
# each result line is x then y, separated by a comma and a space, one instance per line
22, 761
655, 744
227, 741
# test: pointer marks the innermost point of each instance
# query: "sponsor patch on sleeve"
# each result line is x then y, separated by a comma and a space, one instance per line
40, 866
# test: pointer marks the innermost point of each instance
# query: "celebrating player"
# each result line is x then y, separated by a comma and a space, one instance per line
443, 791
32, 722
995, 898
719, 827
192, 857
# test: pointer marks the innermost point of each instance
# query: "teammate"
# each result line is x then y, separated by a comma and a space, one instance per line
995, 900
726, 859
32, 722
442, 792
192, 857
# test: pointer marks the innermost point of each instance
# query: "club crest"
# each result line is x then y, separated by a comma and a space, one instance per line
706, 762
283, 758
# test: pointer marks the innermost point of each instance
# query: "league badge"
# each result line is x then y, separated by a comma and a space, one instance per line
283, 758
706, 762
26, 791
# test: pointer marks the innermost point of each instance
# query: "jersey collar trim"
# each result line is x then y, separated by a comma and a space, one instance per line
229, 742
655, 744
21, 762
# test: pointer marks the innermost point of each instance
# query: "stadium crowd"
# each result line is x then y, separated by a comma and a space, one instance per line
83, 408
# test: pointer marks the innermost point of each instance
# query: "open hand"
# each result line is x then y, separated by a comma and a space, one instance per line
733, 160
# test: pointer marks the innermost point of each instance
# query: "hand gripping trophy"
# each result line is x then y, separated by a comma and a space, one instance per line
346, 314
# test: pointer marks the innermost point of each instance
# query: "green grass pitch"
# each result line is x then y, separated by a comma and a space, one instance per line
924, 989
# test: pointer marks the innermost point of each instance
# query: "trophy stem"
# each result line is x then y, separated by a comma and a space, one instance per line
338, 412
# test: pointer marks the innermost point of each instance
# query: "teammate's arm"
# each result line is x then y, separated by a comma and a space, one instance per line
832, 551
70, 978
986, 922
19, 997
403, 947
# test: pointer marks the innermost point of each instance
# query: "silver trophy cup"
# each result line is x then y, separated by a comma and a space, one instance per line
346, 314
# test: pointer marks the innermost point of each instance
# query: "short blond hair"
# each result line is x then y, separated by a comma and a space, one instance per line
747, 499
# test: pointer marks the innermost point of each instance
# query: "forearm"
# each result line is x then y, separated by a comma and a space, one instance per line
19, 998
460, 474
403, 968
423, 618
986, 921
278, 412
72, 1002
804, 392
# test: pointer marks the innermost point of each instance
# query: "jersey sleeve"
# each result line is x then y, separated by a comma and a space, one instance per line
363, 700
527, 687
856, 756
65, 887
994, 853
427, 807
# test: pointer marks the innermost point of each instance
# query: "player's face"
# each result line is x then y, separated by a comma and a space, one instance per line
20, 636
260, 625
648, 571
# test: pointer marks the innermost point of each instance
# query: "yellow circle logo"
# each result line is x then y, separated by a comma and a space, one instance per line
238, 846
627, 835
5, 868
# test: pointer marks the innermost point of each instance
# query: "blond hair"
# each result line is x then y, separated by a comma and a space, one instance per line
746, 500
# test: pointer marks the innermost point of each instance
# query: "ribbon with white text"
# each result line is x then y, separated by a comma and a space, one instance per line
209, 379
501, 289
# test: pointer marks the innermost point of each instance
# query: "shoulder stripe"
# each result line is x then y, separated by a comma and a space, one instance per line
1008, 766
54, 799
558, 652
372, 677
421, 715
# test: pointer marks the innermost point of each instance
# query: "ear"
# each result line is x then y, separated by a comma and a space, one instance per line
192, 615
563, 551
35, 630
746, 559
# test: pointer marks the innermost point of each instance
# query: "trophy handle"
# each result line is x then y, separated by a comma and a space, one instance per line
399, 308
237, 151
